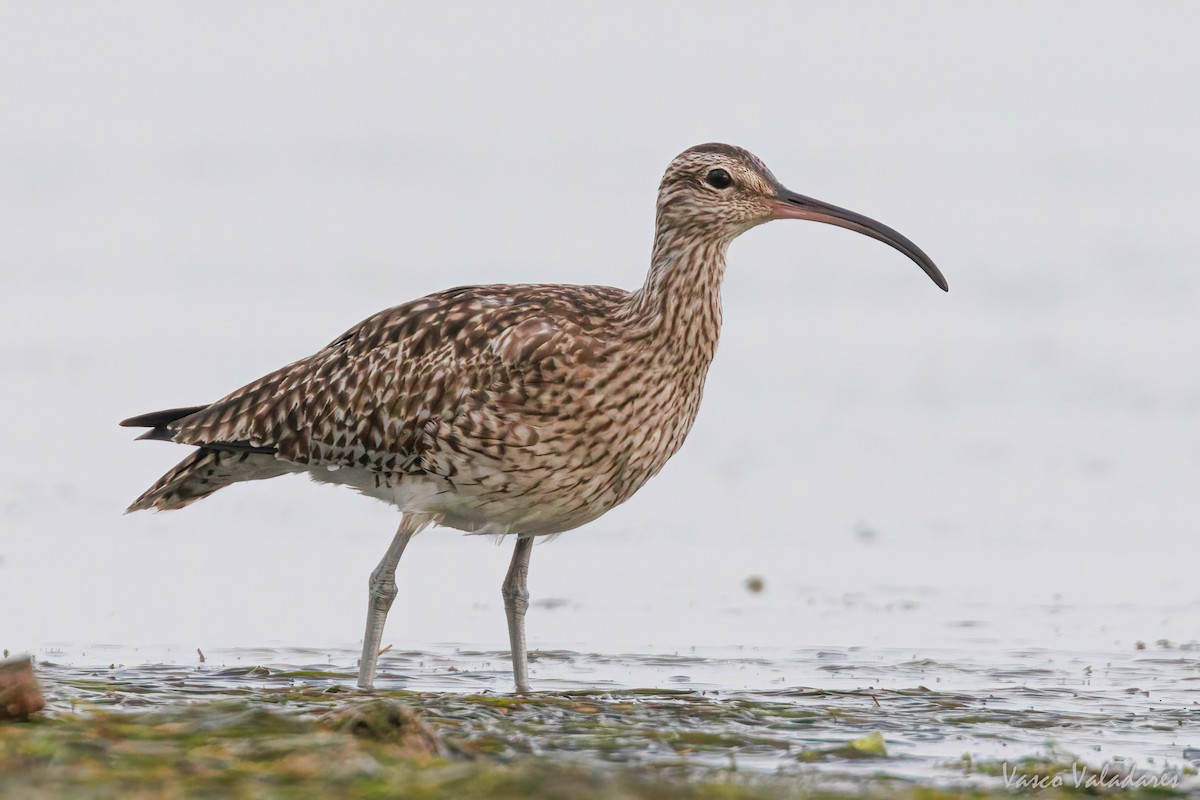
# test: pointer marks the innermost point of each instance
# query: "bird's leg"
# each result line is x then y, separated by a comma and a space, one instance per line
516, 603
382, 592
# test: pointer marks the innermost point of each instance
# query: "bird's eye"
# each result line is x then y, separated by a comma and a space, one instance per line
718, 179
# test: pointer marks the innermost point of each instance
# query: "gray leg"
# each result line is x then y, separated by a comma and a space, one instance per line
382, 593
516, 603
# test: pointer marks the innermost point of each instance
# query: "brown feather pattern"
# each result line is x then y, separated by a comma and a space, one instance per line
501, 409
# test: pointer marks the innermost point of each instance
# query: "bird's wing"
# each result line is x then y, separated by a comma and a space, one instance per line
474, 369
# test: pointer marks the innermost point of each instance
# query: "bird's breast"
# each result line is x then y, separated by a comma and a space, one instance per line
557, 447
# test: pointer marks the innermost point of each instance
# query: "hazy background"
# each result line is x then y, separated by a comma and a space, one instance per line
192, 195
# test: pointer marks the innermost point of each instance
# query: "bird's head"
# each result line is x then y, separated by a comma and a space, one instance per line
722, 190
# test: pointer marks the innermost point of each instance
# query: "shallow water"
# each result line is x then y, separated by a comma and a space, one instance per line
945, 716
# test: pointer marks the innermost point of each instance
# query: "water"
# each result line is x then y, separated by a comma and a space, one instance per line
944, 716
995, 480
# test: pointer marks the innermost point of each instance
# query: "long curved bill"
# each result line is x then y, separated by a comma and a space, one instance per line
789, 205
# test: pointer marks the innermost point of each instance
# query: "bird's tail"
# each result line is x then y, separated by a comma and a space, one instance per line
204, 472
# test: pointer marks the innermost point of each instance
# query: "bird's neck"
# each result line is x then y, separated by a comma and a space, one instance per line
680, 302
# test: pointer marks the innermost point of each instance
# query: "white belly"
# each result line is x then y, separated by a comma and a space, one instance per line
469, 507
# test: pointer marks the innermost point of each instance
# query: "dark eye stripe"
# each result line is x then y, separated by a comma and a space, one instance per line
718, 179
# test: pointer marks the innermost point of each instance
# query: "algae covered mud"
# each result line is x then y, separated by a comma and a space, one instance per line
280, 723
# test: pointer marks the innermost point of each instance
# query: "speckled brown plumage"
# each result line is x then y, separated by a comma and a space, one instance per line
491, 408
498, 409
526, 409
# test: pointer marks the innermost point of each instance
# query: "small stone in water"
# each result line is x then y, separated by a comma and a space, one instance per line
871, 745
20, 695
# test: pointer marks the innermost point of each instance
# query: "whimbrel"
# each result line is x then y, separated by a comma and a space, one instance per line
508, 409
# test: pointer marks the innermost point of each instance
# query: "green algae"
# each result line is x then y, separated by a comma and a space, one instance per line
302, 729
411, 745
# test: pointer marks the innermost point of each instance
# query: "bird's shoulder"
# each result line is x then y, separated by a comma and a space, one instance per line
517, 324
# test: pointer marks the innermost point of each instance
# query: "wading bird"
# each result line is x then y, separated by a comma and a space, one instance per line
508, 409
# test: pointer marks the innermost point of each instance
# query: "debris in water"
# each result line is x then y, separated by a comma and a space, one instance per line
755, 584
865, 533
869, 746
390, 722
200, 653
20, 695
